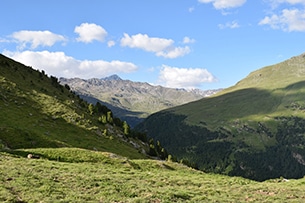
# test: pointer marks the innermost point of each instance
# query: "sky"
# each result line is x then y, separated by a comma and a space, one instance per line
205, 44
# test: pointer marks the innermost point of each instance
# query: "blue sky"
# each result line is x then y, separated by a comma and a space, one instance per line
204, 44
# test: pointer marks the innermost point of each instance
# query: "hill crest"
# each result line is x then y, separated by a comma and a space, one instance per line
254, 129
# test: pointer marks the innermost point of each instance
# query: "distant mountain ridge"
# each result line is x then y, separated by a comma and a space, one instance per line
132, 101
112, 77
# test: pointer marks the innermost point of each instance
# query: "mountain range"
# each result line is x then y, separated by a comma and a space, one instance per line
132, 101
254, 129
57, 147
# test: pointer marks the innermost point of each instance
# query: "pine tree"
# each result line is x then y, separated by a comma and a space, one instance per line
126, 128
102, 119
109, 117
91, 108
152, 150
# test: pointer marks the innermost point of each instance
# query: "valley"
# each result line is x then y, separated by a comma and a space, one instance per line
247, 142
198, 101
132, 101
254, 129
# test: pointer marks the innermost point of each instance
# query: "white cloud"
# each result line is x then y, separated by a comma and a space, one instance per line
187, 40
191, 9
275, 3
184, 77
160, 46
174, 52
61, 65
111, 43
293, 1
150, 44
289, 20
2, 40
231, 25
90, 32
224, 4
36, 38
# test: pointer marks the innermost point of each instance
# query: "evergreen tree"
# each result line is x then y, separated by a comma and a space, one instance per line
152, 150
102, 119
67, 87
162, 153
126, 128
105, 133
117, 122
169, 158
109, 117
91, 108
101, 108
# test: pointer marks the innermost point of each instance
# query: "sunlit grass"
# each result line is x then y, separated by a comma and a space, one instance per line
101, 177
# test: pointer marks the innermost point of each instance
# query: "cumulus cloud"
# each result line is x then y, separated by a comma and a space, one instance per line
224, 4
61, 65
191, 9
288, 20
151, 44
187, 40
2, 40
159, 46
231, 25
184, 77
174, 52
89, 32
111, 43
292, 1
36, 38
275, 3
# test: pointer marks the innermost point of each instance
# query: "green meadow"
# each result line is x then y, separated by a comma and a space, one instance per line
78, 175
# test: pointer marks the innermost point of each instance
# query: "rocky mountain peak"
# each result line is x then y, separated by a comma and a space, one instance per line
128, 99
112, 77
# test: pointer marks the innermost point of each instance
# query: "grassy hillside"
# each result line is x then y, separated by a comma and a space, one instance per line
269, 91
87, 176
255, 129
37, 112
83, 158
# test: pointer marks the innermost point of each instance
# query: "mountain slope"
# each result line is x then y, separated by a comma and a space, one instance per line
36, 111
132, 101
255, 129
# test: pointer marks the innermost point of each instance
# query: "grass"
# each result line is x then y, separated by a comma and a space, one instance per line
266, 92
262, 92
49, 121
37, 112
244, 124
88, 176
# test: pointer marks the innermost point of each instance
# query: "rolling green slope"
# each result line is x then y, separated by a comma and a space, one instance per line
255, 129
35, 112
